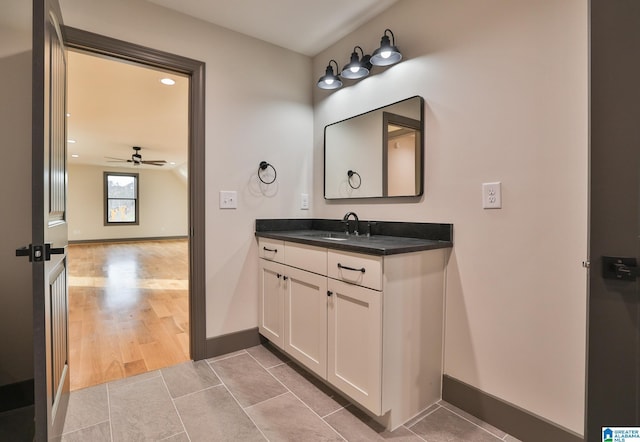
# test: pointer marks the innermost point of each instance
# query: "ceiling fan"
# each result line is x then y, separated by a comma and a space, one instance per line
136, 159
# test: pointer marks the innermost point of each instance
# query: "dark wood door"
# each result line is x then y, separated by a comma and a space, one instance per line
49, 223
613, 378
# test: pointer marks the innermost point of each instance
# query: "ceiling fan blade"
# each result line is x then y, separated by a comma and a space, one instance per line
154, 161
116, 159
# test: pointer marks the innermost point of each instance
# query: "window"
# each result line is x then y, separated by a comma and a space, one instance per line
120, 198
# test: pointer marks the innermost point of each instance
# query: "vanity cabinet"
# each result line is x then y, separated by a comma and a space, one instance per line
271, 302
305, 309
293, 302
369, 325
355, 343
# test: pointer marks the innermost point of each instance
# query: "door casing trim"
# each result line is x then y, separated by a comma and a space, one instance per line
124, 51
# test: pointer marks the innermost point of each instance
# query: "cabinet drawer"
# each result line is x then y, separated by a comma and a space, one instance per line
356, 268
302, 256
271, 249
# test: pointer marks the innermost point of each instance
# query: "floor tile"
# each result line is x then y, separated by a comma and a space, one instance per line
286, 418
213, 415
87, 407
180, 437
133, 379
311, 391
445, 426
189, 377
267, 355
490, 428
421, 415
247, 380
143, 411
356, 426
95, 433
227, 355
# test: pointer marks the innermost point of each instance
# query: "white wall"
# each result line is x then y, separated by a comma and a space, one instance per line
505, 89
162, 195
258, 107
16, 314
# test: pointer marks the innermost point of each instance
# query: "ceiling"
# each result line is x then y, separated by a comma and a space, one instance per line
114, 105
304, 26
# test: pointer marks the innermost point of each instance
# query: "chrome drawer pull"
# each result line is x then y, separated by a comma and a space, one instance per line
270, 250
340, 266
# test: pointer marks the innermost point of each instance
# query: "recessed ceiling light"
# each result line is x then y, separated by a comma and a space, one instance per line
71, 141
173, 163
168, 81
68, 114
75, 156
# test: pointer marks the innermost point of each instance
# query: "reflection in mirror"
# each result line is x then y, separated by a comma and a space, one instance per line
401, 157
376, 154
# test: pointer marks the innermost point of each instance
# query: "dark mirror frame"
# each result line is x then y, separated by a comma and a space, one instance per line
386, 118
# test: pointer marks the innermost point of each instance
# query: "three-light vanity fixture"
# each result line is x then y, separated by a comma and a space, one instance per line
360, 65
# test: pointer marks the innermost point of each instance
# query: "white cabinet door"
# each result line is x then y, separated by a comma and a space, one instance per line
355, 343
271, 302
306, 319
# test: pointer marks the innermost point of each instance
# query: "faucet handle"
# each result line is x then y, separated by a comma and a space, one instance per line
369, 225
346, 225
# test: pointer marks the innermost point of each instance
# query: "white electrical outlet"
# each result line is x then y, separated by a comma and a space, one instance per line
492, 195
228, 199
304, 201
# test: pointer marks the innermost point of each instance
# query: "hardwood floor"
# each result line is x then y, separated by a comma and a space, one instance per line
128, 309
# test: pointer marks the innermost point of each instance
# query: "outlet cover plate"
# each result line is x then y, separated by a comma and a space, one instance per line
228, 199
492, 195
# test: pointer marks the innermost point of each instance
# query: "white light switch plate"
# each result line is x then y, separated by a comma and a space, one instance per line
492, 195
304, 201
228, 199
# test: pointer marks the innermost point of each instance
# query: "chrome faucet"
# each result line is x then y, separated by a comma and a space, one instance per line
345, 220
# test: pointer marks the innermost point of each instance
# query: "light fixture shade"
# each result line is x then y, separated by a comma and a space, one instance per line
387, 54
330, 80
356, 69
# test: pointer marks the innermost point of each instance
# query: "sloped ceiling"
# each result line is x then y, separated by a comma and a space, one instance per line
304, 26
114, 106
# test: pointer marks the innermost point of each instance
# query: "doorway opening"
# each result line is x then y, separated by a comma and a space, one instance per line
180, 249
127, 157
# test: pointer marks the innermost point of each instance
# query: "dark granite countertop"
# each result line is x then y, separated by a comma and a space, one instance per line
388, 238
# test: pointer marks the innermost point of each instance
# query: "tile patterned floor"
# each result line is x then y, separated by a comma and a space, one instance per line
251, 395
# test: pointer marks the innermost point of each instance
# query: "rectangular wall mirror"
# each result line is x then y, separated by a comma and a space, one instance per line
378, 154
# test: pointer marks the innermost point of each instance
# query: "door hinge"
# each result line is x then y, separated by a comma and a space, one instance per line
40, 252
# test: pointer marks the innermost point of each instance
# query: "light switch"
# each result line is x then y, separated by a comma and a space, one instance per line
492, 195
304, 201
228, 199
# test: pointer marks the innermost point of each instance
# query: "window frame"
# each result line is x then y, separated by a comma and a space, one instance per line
136, 199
